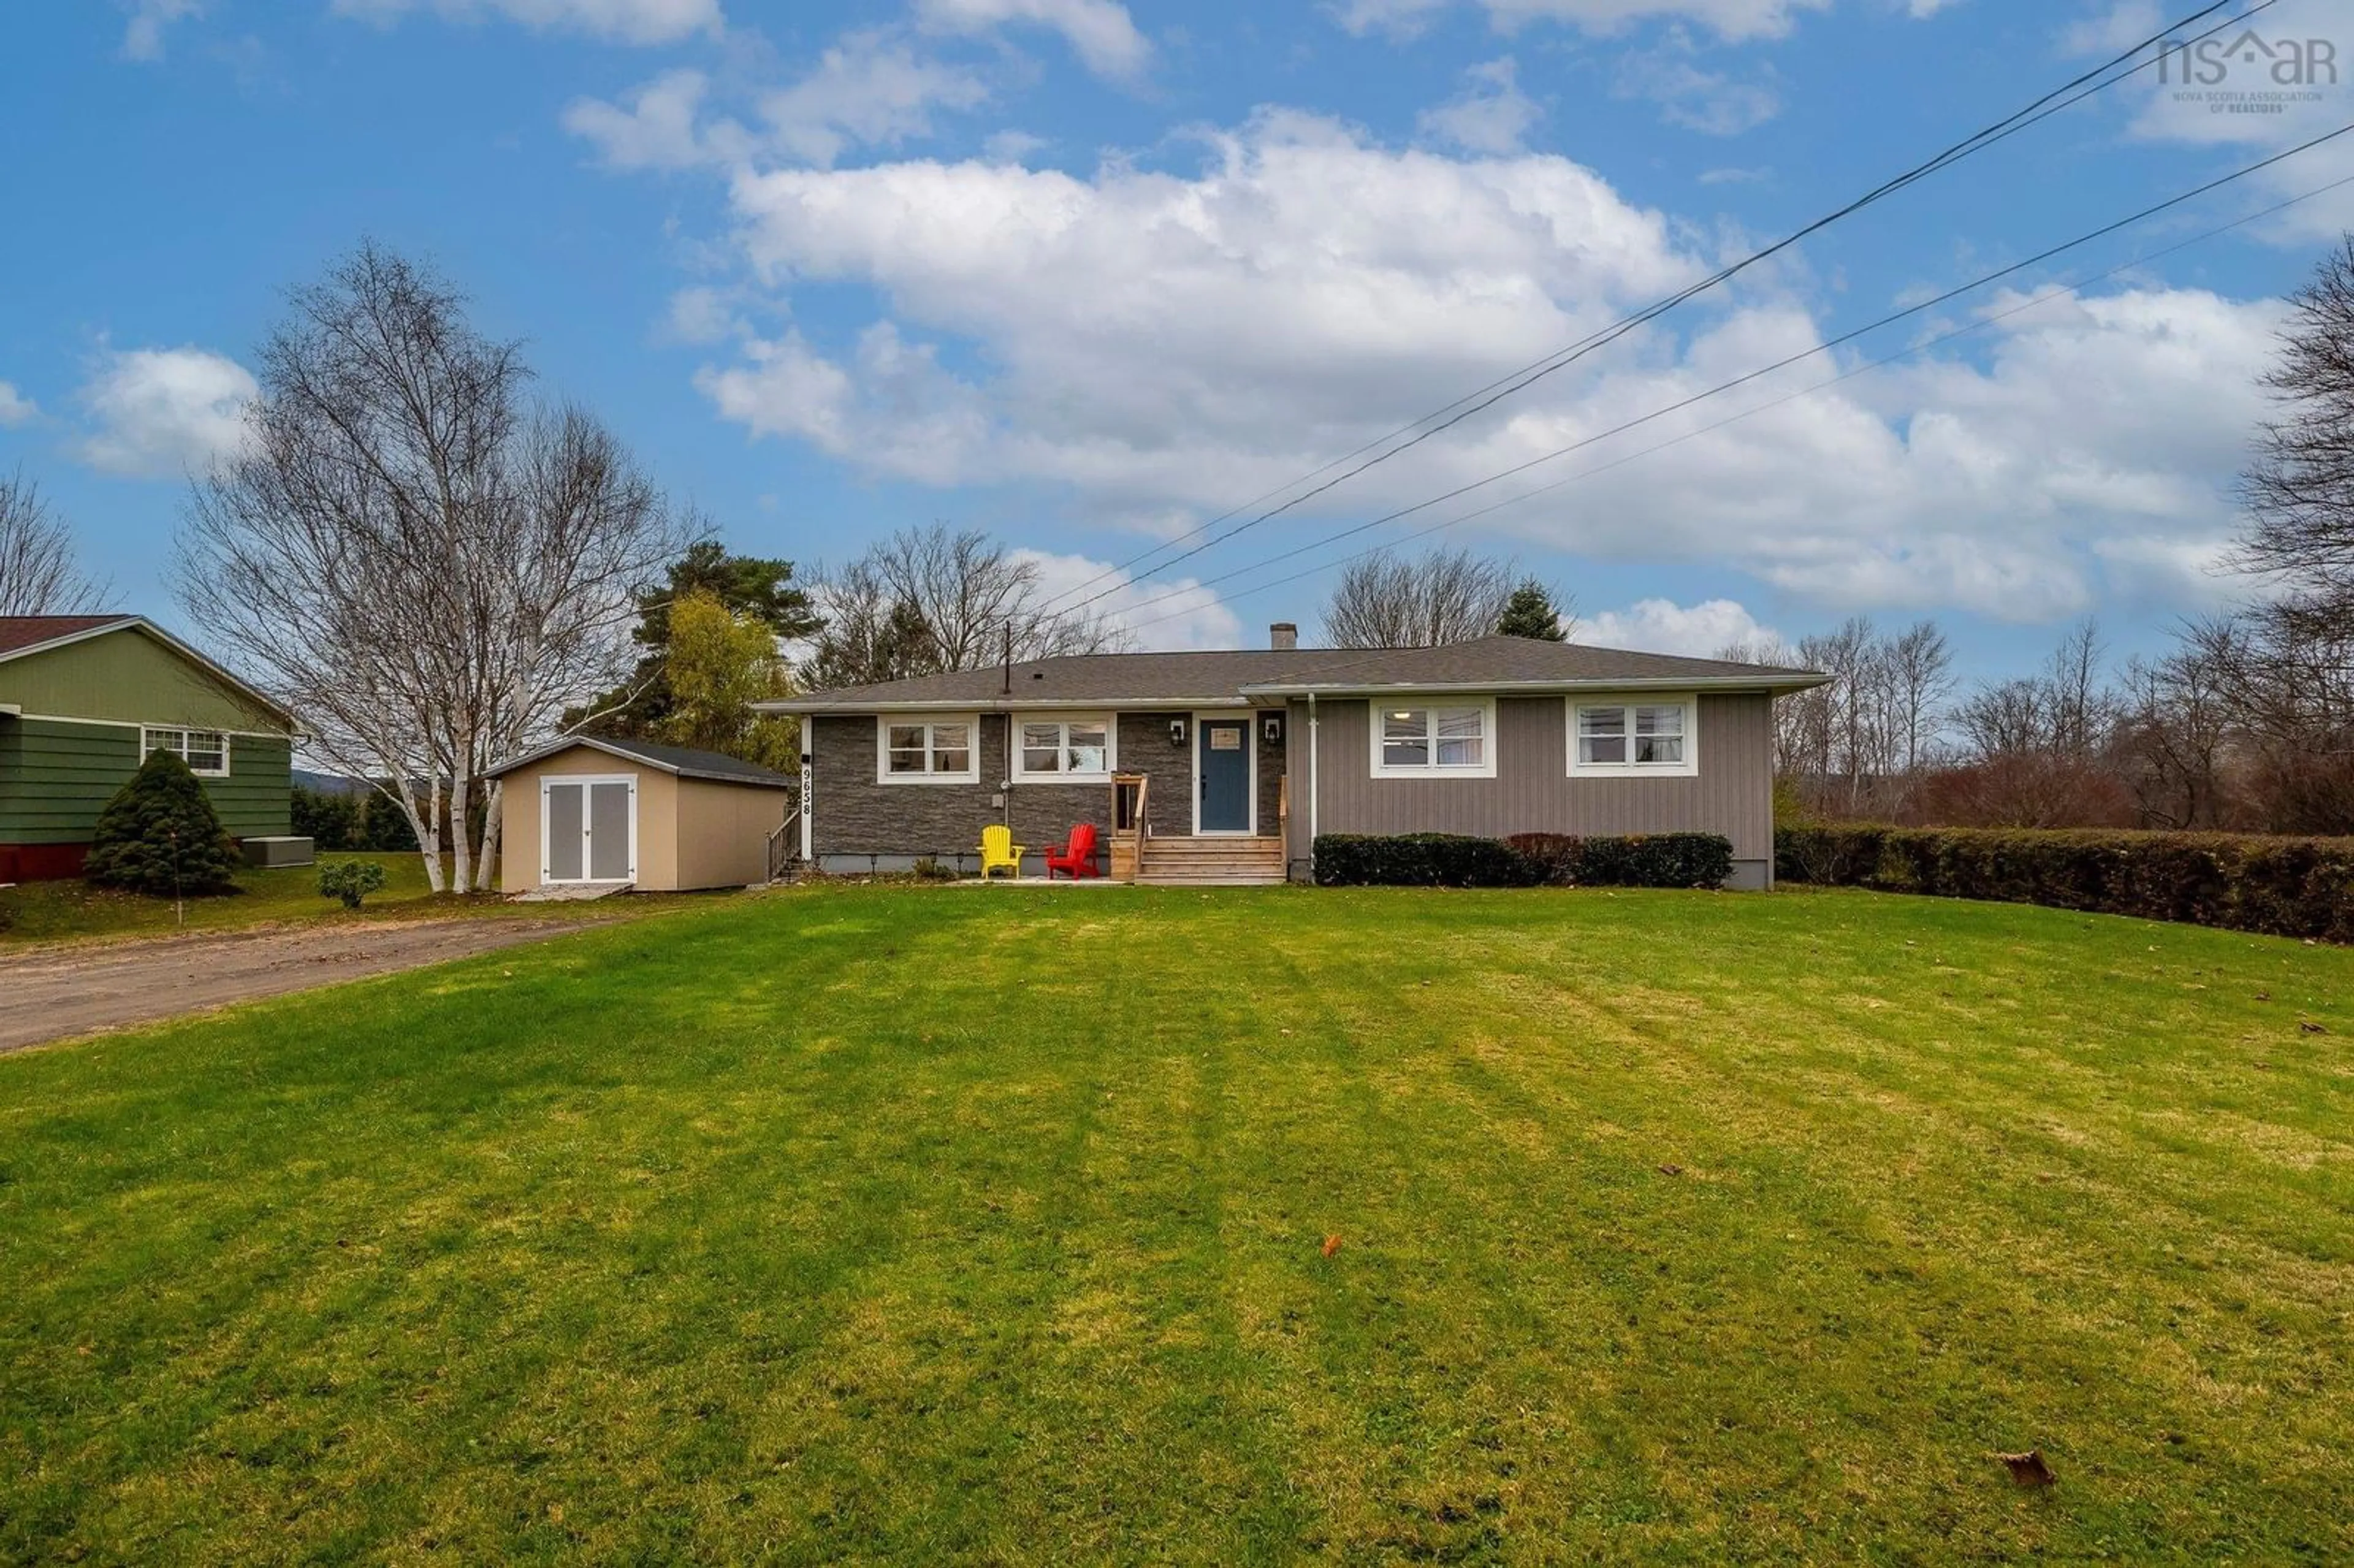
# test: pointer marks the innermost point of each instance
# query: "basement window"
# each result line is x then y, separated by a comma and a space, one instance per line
206, 751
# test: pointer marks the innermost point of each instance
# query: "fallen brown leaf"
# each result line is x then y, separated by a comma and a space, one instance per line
2310, 1027
1332, 1245
1671, 1169
2029, 1468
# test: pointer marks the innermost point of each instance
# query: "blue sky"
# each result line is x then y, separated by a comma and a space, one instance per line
1086, 274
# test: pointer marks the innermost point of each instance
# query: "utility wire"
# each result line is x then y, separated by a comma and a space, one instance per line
1782, 363
1464, 408
1974, 326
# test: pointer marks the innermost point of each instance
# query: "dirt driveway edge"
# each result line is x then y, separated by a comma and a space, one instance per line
59, 993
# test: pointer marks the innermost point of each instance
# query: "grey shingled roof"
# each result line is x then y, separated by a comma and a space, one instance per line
1232, 677
684, 761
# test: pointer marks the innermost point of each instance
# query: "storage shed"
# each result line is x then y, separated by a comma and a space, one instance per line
588, 811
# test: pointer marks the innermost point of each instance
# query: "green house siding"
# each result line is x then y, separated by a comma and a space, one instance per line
255, 800
56, 776
128, 677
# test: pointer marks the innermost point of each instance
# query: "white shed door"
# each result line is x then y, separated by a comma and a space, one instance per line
590, 829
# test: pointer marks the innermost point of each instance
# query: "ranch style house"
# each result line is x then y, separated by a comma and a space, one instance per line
1224, 767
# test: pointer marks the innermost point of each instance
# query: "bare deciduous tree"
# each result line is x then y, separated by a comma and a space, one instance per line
1920, 668
39, 573
1386, 600
414, 556
931, 599
2298, 488
2176, 728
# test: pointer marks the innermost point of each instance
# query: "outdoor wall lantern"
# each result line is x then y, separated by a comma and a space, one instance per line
1273, 728
1176, 732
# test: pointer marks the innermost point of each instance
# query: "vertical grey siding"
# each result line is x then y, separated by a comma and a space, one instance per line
1733, 793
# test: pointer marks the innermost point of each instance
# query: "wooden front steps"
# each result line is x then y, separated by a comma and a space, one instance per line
1212, 861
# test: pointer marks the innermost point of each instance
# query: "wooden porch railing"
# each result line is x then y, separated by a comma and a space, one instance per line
781, 847
1127, 820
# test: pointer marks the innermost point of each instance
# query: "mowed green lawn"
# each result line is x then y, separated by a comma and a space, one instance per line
974, 1223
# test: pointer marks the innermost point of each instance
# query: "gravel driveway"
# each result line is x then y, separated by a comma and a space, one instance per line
56, 993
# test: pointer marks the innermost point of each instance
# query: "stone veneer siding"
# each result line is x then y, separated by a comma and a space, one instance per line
863, 823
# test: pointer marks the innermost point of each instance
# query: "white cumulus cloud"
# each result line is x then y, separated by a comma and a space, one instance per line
161, 412
15, 409
1100, 31
142, 35
1663, 626
868, 89
1490, 115
1162, 345
1731, 19
616, 21
1170, 616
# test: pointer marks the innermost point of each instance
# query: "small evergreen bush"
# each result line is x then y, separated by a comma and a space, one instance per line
160, 834
350, 880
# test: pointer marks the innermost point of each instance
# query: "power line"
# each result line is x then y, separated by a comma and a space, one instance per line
1808, 391
1464, 408
1749, 376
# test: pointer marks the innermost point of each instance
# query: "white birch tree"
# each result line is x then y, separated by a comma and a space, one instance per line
409, 552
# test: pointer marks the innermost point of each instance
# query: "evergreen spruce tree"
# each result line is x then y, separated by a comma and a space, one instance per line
1530, 612
160, 834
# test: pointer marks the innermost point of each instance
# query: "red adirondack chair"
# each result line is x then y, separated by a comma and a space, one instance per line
1078, 857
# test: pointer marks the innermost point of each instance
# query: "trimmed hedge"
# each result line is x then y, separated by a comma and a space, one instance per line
1633, 859
1525, 860
2281, 886
1420, 859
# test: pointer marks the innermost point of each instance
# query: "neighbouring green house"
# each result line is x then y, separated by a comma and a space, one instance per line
83, 700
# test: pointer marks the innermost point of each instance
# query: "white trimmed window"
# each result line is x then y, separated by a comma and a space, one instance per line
206, 751
1647, 735
928, 748
1070, 749
1418, 739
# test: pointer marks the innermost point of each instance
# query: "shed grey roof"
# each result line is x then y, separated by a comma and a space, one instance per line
683, 761
1235, 678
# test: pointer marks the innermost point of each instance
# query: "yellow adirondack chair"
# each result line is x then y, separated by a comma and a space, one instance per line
999, 851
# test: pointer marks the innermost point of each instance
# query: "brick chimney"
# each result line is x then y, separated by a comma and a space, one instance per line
1283, 636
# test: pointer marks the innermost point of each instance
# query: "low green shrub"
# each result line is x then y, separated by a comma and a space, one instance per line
2282, 887
350, 880
1421, 859
1632, 860
161, 835
1524, 860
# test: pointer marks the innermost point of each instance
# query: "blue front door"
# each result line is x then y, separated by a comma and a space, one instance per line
1224, 753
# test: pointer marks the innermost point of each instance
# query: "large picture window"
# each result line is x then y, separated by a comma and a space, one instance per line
206, 751
928, 749
1634, 736
1418, 739
1069, 749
